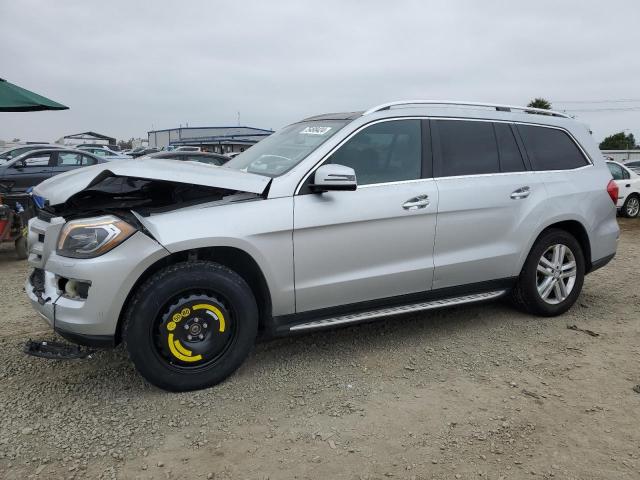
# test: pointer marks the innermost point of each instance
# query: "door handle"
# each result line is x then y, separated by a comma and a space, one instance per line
523, 192
415, 203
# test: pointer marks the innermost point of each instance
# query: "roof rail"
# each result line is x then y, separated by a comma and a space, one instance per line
500, 108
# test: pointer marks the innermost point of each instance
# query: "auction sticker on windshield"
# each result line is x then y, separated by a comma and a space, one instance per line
315, 130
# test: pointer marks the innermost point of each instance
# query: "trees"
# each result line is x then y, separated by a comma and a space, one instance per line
125, 144
618, 141
540, 103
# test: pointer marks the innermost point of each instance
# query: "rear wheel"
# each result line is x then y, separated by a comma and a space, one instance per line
631, 206
552, 276
190, 325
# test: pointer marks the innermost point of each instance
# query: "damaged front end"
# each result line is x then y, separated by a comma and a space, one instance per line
80, 280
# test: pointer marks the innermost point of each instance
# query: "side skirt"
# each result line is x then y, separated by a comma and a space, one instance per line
368, 311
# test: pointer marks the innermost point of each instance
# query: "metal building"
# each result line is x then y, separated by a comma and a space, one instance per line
212, 139
87, 137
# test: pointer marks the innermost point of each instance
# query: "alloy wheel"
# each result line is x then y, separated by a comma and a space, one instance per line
633, 207
556, 274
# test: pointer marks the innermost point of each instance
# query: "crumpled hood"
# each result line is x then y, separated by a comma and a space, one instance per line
60, 188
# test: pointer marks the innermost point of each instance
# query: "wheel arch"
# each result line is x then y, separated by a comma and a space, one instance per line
234, 258
575, 228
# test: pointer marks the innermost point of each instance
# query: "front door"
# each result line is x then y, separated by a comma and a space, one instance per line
375, 242
30, 170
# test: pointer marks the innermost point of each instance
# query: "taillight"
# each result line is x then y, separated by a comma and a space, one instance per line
612, 190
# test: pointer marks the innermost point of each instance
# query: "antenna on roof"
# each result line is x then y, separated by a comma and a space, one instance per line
238, 118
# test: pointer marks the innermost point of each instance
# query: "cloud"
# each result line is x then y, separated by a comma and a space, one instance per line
125, 67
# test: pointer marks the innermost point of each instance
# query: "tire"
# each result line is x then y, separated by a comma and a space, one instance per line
631, 206
190, 325
526, 295
21, 248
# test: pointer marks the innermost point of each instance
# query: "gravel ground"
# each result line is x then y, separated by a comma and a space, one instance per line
474, 392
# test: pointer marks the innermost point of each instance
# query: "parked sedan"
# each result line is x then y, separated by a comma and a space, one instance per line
202, 157
633, 165
628, 183
139, 152
31, 168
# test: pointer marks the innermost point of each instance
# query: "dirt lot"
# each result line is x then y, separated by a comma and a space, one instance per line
474, 392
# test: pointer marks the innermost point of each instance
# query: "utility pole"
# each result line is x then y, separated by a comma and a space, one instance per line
627, 141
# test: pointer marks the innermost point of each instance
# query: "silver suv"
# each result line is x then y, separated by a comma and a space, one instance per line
337, 219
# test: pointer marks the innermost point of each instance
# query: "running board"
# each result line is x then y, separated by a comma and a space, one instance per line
389, 311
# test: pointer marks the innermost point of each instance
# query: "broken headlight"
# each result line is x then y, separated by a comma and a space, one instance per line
92, 237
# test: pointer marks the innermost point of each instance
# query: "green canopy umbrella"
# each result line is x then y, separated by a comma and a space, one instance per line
16, 99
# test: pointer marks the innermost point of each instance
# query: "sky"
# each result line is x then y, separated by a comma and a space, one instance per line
126, 67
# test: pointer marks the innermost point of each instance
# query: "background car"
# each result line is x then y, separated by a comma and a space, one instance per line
633, 165
187, 148
628, 183
139, 152
202, 157
14, 152
105, 153
31, 168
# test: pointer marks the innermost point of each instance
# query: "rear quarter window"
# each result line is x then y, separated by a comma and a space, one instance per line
551, 148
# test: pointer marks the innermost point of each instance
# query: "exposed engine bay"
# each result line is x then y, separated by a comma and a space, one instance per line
120, 195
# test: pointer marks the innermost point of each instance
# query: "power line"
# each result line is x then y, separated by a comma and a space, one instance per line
605, 109
618, 100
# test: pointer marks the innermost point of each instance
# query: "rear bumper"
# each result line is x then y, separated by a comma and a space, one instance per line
595, 265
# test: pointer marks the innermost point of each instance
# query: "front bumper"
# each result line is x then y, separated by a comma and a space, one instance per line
94, 319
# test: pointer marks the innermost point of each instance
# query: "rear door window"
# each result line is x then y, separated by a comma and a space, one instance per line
551, 148
69, 159
616, 171
87, 160
465, 148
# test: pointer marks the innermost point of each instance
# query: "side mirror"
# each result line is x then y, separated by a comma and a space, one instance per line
334, 177
19, 164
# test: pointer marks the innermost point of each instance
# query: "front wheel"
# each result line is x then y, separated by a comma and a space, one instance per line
631, 206
190, 325
552, 276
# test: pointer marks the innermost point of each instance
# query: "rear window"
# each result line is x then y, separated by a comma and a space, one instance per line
551, 148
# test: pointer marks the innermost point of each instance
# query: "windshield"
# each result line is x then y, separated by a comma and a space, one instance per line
280, 152
13, 153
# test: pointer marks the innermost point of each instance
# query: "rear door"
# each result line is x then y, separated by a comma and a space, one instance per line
32, 169
375, 242
488, 198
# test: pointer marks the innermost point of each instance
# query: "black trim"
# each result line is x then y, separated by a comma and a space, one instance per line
427, 151
96, 341
280, 325
595, 265
436, 152
523, 151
